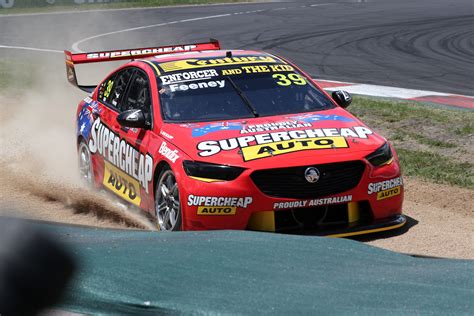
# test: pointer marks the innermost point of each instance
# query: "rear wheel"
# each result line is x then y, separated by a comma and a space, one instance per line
167, 204
85, 164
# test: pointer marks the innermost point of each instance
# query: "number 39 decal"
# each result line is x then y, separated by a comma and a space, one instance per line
287, 80
110, 84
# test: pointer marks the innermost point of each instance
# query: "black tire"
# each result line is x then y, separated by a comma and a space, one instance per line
85, 164
167, 203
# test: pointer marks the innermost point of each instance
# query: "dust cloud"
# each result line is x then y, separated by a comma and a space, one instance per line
38, 154
38, 158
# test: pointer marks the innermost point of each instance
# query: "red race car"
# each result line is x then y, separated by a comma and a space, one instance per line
203, 138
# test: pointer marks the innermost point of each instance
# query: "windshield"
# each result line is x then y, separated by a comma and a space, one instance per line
235, 90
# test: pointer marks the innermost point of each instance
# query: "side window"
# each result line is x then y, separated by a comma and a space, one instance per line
105, 88
138, 96
112, 89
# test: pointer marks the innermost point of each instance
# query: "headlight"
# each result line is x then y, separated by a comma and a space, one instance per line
211, 171
381, 156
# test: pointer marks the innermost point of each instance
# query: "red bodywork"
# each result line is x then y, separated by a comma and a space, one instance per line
171, 144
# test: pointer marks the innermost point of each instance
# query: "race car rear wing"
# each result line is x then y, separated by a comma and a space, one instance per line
123, 54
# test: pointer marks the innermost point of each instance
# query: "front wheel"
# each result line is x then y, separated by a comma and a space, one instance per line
167, 204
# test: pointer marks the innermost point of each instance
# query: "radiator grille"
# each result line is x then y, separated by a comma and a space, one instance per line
291, 183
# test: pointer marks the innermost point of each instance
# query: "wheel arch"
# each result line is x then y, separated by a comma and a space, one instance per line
80, 138
159, 167
162, 165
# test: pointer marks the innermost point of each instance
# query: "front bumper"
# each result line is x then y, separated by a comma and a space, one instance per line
271, 222
239, 204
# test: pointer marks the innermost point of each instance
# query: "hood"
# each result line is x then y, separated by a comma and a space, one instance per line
285, 140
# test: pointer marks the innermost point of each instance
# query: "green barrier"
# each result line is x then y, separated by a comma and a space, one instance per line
133, 272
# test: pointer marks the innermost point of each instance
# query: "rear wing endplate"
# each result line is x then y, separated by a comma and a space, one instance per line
73, 59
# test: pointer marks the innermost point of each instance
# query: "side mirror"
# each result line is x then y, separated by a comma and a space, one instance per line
132, 118
343, 98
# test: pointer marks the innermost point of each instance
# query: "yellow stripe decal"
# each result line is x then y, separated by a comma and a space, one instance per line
368, 231
206, 179
153, 65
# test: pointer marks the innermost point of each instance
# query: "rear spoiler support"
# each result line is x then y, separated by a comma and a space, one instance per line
73, 59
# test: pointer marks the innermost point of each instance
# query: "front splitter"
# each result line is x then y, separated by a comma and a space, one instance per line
375, 227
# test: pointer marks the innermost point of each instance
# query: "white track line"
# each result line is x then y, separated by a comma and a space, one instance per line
320, 4
388, 92
32, 49
75, 46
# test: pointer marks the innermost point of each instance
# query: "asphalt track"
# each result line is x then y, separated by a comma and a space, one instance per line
415, 44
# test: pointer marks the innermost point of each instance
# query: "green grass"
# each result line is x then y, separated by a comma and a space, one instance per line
437, 168
429, 141
435, 144
41, 6
465, 129
396, 111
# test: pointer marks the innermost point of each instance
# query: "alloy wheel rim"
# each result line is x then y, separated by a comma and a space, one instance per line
167, 204
85, 170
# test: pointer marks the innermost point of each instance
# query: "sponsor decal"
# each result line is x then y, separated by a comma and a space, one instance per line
273, 126
165, 134
203, 63
121, 184
230, 72
257, 69
271, 144
216, 210
388, 193
137, 52
189, 76
171, 155
219, 201
297, 122
121, 154
309, 118
198, 85
281, 68
215, 127
289, 146
386, 189
313, 202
